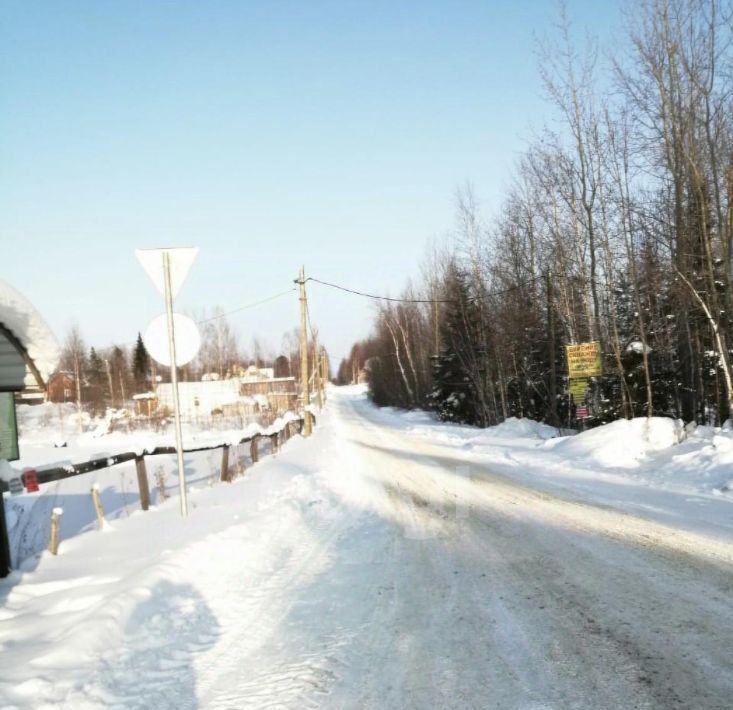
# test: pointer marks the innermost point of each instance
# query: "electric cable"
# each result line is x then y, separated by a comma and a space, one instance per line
249, 305
421, 300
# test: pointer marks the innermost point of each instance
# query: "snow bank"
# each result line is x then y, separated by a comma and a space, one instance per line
704, 462
623, 443
144, 599
47, 421
652, 456
428, 425
416, 416
515, 428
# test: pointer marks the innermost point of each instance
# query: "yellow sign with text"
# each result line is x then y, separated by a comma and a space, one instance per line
584, 360
578, 388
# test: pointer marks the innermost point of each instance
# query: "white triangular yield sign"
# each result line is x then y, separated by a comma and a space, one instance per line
180, 259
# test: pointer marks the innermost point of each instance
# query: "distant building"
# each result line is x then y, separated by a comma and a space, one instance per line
202, 399
145, 403
279, 392
253, 391
257, 374
61, 387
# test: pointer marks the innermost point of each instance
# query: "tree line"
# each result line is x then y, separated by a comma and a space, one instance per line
617, 227
108, 377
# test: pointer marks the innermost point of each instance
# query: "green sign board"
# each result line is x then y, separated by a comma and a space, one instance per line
8, 427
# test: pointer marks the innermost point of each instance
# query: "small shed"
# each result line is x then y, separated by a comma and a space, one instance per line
280, 392
146, 403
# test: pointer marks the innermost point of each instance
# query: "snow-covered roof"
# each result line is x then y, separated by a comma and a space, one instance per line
21, 318
257, 374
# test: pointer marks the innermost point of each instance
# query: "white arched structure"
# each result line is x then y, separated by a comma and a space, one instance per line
29, 351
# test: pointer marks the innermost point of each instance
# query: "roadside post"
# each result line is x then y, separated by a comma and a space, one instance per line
168, 268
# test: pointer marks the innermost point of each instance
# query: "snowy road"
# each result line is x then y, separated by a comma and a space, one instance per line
391, 572
489, 594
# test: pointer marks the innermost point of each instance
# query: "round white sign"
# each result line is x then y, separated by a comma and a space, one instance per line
186, 334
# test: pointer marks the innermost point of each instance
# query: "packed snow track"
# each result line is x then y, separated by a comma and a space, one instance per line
380, 570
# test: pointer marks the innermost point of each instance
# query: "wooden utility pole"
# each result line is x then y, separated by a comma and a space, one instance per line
324, 373
317, 372
307, 425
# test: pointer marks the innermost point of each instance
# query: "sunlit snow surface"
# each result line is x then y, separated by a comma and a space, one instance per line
391, 561
658, 452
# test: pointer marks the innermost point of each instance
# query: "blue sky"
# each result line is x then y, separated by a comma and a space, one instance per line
269, 134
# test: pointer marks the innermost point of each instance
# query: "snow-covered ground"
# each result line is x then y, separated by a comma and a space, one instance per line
394, 562
42, 428
48, 436
656, 468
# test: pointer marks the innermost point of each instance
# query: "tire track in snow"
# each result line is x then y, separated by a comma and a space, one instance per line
262, 599
372, 591
566, 630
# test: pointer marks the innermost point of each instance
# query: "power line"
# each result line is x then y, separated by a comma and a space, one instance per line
423, 300
224, 315
377, 298
249, 305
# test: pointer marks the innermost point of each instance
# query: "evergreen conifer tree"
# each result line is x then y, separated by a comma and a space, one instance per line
97, 393
140, 365
454, 392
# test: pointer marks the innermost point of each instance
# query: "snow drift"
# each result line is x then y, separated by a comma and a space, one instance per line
623, 443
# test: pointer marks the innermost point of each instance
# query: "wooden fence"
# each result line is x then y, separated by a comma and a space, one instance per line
48, 475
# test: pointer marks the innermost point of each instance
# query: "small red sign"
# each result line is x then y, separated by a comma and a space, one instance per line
581, 412
30, 480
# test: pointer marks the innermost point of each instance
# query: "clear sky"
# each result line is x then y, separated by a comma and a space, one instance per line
267, 133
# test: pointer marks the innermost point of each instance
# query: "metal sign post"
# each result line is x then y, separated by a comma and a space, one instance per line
174, 382
167, 269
